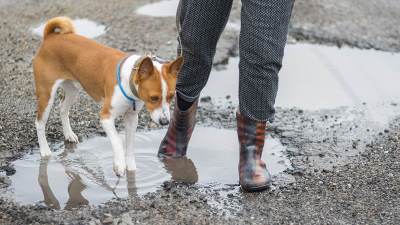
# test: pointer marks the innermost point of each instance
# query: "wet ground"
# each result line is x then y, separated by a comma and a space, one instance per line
335, 139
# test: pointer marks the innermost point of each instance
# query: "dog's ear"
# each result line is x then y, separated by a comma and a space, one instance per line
175, 66
145, 69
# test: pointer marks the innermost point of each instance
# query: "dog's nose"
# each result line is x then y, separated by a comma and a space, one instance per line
164, 121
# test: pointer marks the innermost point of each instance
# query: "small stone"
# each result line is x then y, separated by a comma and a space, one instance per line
126, 219
108, 219
10, 171
116, 221
205, 99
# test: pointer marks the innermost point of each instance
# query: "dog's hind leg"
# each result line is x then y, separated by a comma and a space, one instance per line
45, 92
71, 94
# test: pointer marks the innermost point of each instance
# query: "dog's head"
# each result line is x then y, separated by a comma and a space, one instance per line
155, 85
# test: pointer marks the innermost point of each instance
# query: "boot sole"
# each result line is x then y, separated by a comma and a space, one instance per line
247, 188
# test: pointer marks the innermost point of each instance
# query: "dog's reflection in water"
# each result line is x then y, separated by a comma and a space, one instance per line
182, 169
49, 199
76, 185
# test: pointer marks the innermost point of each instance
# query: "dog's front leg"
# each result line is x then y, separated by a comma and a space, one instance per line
131, 122
117, 145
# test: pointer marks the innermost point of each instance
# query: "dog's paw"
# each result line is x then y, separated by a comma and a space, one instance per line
119, 168
71, 137
130, 165
45, 152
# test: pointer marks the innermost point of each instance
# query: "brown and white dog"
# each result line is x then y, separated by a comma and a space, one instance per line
68, 60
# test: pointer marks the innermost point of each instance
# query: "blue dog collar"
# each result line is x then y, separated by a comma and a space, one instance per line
131, 99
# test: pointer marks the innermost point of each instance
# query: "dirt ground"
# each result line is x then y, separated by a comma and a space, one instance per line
344, 172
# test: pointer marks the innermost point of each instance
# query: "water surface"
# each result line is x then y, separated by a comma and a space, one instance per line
82, 174
321, 77
84, 27
165, 8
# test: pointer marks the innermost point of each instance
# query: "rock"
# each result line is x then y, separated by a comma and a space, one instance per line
108, 219
126, 219
205, 99
10, 171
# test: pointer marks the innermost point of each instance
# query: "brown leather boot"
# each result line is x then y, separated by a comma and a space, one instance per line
179, 132
253, 174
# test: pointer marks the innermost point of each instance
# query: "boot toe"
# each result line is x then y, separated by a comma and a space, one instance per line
256, 182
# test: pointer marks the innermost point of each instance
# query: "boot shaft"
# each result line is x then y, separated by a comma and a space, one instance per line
251, 135
179, 131
253, 174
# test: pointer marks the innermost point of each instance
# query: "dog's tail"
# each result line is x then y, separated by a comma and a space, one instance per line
58, 25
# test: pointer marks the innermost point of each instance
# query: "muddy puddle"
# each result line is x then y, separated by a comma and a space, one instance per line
321, 77
84, 27
166, 8
82, 174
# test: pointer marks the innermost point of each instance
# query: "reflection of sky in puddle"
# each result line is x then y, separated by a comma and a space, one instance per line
315, 77
84, 175
166, 8
83, 27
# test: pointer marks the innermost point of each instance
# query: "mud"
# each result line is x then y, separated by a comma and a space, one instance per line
344, 160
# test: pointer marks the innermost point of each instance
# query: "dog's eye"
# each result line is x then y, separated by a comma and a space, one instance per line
154, 98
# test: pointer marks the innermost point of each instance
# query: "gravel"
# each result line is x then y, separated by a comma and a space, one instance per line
345, 171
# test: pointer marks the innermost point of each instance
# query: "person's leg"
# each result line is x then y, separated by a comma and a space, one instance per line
202, 23
262, 41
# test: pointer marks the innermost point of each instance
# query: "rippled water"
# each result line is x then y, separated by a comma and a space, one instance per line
82, 174
84, 27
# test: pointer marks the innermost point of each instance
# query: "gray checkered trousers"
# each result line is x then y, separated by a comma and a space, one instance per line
264, 26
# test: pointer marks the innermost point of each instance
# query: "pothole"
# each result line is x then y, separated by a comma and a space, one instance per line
84, 27
82, 174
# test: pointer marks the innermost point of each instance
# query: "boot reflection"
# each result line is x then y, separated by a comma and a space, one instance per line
182, 169
131, 183
50, 199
